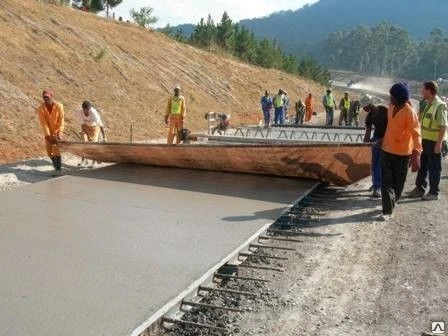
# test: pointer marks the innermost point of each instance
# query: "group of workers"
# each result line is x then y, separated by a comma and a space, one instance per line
52, 120
402, 138
349, 110
279, 103
304, 111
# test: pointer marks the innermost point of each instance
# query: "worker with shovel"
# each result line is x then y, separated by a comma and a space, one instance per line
51, 117
175, 115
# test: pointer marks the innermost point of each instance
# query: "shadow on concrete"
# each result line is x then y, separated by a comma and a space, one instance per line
267, 214
246, 186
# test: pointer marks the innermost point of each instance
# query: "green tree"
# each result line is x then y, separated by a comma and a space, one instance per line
225, 33
144, 17
100, 5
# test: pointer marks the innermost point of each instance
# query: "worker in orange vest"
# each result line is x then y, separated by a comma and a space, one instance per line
51, 117
309, 107
175, 115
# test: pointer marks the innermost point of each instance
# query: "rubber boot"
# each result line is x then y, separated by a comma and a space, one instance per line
58, 166
53, 159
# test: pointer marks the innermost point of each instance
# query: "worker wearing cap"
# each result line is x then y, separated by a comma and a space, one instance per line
329, 105
402, 145
434, 122
266, 107
91, 123
344, 106
51, 117
376, 120
175, 115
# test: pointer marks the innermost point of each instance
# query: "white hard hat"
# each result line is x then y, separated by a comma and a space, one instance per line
177, 87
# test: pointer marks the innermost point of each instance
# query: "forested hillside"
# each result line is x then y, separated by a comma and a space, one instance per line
301, 30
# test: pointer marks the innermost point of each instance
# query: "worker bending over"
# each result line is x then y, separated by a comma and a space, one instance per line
175, 115
51, 117
91, 124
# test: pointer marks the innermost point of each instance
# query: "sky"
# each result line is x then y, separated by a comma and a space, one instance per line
176, 12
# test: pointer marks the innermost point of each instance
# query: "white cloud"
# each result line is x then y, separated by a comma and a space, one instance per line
176, 12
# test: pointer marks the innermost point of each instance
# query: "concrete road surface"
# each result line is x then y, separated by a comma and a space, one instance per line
99, 253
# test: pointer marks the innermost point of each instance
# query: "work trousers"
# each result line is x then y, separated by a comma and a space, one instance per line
90, 133
353, 119
376, 164
430, 164
267, 117
329, 116
176, 124
309, 114
279, 115
300, 115
52, 149
343, 117
394, 170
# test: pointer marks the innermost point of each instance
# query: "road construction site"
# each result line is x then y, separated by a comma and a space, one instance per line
324, 267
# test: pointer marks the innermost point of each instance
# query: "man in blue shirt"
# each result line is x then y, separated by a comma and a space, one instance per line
266, 107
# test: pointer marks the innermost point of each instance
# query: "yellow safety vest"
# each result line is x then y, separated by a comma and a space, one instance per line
347, 103
430, 125
278, 101
176, 105
329, 100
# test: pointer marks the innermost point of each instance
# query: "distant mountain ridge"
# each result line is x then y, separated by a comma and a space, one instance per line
303, 30
310, 25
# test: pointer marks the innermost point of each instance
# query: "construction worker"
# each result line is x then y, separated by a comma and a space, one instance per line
91, 125
376, 119
285, 105
353, 115
309, 106
402, 145
278, 106
329, 105
300, 112
344, 106
51, 117
266, 107
434, 122
175, 115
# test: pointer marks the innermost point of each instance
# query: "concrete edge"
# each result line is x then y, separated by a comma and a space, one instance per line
171, 304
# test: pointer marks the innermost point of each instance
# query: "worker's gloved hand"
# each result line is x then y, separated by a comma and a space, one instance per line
415, 161
58, 136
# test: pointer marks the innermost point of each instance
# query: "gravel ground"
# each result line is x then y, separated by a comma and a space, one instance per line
350, 275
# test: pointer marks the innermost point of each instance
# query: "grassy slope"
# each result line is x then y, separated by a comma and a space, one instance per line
48, 46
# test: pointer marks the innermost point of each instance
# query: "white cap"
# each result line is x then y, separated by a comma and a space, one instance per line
177, 87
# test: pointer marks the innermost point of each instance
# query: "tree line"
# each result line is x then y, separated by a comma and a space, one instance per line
387, 50
237, 40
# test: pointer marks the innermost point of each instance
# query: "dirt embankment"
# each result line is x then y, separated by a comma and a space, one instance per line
126, 71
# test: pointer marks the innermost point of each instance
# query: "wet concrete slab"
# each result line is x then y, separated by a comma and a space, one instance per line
99, 253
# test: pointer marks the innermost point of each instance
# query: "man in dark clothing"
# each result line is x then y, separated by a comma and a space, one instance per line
300, 112
377, 120
266, 107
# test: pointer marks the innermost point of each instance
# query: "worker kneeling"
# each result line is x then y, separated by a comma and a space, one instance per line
174, 117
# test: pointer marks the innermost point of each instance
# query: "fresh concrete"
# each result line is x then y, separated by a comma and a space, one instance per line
98, 254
